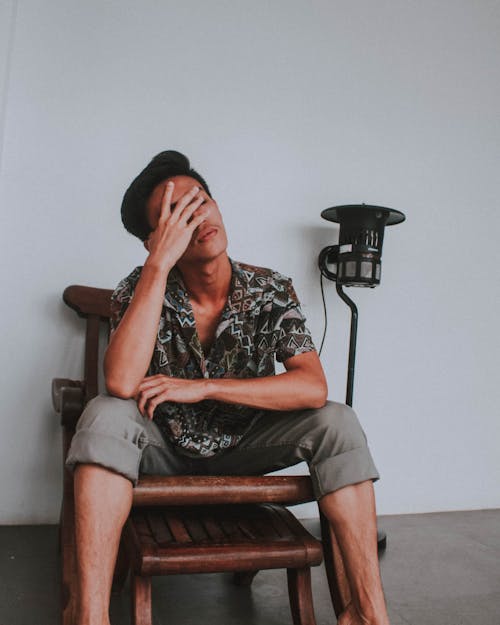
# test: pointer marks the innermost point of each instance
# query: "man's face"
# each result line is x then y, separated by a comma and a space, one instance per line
209, 239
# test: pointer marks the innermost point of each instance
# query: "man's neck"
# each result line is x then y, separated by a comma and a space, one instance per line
207, 284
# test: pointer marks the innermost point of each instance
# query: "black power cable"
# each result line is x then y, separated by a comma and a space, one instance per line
324, 312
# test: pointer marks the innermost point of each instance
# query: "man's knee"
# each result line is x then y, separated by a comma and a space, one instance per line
338, 428
110, 416
340, 453
109, 433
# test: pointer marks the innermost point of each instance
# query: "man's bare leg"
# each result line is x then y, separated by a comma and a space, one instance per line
351, 511
102, 504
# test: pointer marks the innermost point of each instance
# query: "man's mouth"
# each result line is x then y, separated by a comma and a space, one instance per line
206, 233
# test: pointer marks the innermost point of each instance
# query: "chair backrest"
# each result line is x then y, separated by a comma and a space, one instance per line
95, 306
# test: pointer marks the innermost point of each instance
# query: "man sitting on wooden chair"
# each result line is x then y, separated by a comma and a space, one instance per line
190, 372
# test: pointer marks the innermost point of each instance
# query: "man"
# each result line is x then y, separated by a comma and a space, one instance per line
190, 375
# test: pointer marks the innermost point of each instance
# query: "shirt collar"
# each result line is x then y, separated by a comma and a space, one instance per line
240, 298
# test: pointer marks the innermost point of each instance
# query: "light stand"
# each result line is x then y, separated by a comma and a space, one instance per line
356, 261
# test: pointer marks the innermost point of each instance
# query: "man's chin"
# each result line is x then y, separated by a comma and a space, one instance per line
204, 256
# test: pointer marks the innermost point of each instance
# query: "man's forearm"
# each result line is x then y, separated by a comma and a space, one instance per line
292, 390
131, 346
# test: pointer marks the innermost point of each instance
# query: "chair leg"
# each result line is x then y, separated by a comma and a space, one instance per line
338, 583
244, 578
300, 593
140, 593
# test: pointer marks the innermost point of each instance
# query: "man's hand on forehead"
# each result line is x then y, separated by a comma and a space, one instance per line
176, 225
193, 193
167, 204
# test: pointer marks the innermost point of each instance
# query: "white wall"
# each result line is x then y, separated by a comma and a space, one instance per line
287, 107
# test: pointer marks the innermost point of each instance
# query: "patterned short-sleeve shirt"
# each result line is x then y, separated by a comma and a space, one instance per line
262, 322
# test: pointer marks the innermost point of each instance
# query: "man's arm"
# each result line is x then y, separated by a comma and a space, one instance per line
131, 345
303, 385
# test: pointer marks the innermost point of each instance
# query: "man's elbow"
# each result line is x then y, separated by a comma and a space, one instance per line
319, 396
119, 388
319, 402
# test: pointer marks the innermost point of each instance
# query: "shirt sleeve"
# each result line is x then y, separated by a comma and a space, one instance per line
294, 337
122, 296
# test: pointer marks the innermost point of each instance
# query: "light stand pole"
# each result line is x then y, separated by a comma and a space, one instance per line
356, 261
353, 335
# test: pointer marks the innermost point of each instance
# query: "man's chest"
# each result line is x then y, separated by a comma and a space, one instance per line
207, 320
216, 345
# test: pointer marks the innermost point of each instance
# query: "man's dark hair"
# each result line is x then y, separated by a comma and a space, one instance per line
164, 165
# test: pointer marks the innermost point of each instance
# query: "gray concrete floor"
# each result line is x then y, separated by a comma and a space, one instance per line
438, 569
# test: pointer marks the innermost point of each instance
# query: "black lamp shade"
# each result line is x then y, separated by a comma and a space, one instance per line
357, 258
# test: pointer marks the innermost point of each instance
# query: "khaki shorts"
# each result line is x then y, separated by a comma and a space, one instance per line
112, 433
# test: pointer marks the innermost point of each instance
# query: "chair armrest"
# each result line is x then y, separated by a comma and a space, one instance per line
57, 385
68, 397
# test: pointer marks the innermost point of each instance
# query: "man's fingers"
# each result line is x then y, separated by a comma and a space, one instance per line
166, 202
184, 201
196, 221
141, 403
154, 402
151, 381
145, 395
187, 215
153, 390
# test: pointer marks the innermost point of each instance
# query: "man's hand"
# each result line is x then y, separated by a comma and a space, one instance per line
301, 386
168, 242
156, 389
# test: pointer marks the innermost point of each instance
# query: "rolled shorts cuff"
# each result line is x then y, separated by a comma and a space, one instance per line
118, 455
351, 467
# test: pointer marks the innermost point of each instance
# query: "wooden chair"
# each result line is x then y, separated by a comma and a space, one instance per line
163, 535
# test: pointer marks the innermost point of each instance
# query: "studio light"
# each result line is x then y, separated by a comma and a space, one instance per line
356, 261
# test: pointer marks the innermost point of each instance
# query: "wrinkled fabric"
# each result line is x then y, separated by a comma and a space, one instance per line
112, 433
